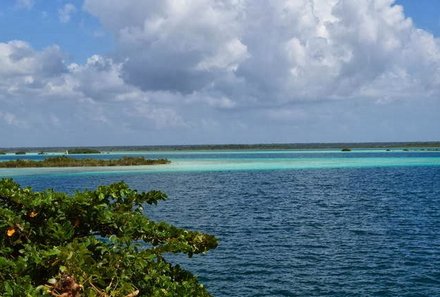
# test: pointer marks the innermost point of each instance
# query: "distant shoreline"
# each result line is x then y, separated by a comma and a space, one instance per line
272, 146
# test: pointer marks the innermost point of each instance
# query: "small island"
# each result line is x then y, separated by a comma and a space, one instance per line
77, 151
63, 161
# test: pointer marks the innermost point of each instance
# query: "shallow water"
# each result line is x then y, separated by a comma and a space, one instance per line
205, 161
294, 223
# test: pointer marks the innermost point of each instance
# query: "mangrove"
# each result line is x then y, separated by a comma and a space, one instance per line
83, 151
64, 161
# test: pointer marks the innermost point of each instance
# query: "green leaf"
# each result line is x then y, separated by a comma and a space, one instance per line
102, 244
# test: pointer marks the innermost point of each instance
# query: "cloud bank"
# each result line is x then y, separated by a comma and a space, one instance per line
273, 50
198, 69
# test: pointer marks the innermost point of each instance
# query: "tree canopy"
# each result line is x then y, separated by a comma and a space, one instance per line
92, 243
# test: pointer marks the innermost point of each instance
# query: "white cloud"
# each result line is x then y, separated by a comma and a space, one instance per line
178, 46
38, 85
65, 13
25, 71
229, 71
273, 50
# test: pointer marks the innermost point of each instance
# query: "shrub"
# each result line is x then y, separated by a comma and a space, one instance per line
83, 151
91, 243
63, 161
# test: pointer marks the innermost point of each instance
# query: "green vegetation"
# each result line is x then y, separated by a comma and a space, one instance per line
20, 153
346, 149
92, 243
429, 146
63, 161
2, 153
277, 146
83, 151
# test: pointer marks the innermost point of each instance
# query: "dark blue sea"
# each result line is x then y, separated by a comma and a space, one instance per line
347, 230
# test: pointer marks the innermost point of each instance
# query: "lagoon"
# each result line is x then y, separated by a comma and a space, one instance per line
205, 161
291, 223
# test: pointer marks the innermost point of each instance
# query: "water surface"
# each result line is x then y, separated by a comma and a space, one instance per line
321, 223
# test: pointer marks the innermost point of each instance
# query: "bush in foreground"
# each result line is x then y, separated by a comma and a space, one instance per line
92, 243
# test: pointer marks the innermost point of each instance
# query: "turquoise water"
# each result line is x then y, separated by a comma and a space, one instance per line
292, 223
201, 161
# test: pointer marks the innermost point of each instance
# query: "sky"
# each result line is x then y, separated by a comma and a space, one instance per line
170, 72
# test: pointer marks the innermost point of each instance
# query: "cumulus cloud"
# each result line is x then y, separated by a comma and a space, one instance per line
40, 89
220, 70
174, 45
99, 79
273, 50
26, 71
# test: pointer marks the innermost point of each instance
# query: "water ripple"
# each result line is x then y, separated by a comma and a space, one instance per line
326, 232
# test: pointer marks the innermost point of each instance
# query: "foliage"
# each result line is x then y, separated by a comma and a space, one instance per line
278, 146
20, 153
346, 149
63, 161
83, 151
91, 243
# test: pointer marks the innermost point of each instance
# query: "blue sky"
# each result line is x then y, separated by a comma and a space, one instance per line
425, 13
40, 25
142, 72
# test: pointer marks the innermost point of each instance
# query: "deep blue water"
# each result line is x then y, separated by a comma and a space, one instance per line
303, 232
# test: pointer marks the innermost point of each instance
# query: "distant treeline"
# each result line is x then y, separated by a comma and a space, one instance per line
271, 146
63, 161
83, 151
